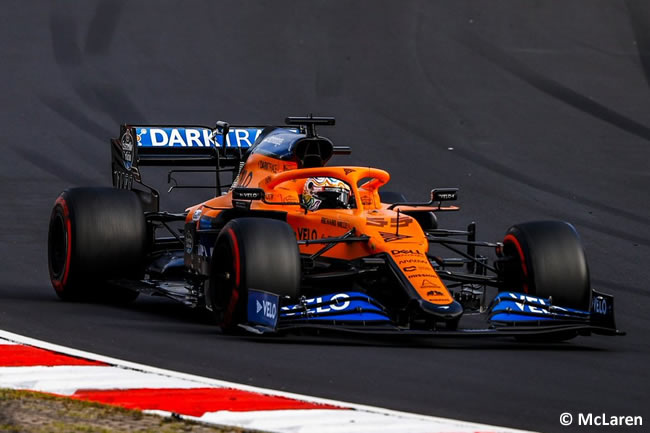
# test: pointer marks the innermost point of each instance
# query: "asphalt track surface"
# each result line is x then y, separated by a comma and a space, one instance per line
535, 110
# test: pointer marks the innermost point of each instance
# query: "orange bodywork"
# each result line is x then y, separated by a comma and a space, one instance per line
390, 231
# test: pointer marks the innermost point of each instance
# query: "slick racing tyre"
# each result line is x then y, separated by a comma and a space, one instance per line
548, 262
427, 220
251, 253
95, 235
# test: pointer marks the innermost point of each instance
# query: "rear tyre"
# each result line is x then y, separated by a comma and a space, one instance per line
95, 235
251, 253
549, 262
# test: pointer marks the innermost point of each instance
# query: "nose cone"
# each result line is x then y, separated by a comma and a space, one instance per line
449, 311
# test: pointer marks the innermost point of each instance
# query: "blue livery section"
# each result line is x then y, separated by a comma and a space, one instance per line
602, 309
194, 136
512, 308
263, 308
509, 314
342, 306
206, 223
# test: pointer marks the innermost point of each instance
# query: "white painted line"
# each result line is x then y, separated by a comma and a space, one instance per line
334, 421
66, 380
393, 420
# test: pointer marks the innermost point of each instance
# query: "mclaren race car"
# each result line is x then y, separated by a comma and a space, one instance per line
290, 243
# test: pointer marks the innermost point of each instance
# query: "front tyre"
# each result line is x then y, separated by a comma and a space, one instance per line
95, 235
549, 262
251, 253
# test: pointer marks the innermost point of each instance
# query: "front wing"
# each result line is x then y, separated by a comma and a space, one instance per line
510, 315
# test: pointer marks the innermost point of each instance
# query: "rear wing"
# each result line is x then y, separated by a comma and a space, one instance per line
220, 149
184, 146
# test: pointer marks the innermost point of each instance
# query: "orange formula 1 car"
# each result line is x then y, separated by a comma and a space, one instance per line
291, 243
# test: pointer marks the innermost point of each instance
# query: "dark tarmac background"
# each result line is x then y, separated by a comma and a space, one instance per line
535, 109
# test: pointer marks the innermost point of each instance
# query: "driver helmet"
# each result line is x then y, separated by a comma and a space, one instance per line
326, 193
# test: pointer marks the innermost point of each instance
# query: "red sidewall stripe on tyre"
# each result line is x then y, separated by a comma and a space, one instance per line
522, 259
59, 285
234, 296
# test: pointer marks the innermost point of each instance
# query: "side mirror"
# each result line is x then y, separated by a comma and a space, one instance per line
444, 194
437, 195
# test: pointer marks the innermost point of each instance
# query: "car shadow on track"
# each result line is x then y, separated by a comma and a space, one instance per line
432, 342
